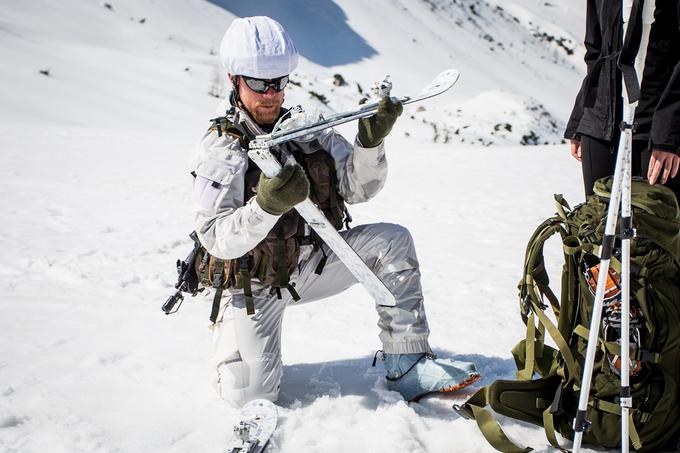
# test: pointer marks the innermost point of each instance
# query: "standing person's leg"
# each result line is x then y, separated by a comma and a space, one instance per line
598, 159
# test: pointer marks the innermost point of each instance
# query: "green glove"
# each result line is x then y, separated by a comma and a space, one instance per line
373, 129
278, 194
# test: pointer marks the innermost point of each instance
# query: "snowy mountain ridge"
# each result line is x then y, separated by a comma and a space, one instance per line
90, 57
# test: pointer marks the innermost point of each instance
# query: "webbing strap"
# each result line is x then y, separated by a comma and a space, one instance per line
294, 294
549, 428
629, 51
322, 261
334, 201
491, 430
572, 245
615, 409
613, 348
217, 283
281, 255
558, 339
535, 283
527, 372
247, 290
562, 206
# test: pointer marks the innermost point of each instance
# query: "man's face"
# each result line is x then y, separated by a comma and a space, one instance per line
264, 107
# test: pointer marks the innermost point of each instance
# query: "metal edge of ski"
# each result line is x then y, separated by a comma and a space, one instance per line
440, 84
257, 423
260, 154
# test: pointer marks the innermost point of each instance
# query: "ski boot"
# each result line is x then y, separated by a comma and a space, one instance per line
416, 375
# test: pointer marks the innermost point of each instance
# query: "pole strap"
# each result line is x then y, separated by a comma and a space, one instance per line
631, 46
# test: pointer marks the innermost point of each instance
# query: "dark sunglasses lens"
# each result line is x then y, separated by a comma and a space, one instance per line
282, 82
261, 86
257, 85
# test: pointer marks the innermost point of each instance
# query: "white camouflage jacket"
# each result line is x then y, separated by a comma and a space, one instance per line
227, 228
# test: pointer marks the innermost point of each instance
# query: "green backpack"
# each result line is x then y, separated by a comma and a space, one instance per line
548, 381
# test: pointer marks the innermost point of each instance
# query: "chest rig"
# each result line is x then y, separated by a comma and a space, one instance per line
275, 258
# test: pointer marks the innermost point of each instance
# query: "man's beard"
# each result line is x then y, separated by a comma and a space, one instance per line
266, 117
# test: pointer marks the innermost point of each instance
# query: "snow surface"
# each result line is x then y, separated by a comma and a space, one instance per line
101, 103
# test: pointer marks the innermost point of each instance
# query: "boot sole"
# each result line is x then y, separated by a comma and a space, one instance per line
469, 381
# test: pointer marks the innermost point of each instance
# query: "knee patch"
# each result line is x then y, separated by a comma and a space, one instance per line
239, 381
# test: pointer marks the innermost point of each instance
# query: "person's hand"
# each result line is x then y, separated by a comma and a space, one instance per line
373, 129
662, 164
279, 194
576, 149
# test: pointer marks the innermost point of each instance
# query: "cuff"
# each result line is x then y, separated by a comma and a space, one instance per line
263, 216
368, 155
410, 347
665, 147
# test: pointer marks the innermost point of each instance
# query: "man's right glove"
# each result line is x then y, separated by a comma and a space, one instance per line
279, 194
373, 129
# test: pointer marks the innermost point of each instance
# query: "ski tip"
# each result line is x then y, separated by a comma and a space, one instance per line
450, 74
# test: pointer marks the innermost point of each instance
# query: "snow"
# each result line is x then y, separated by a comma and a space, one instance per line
96, 202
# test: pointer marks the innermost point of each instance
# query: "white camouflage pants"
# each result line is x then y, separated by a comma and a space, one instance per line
255, 369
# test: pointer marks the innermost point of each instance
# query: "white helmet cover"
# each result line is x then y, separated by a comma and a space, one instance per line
258, 47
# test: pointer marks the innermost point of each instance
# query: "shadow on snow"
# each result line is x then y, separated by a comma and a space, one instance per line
304, 383
319, 28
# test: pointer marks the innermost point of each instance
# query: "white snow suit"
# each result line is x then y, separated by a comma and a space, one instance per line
229, 229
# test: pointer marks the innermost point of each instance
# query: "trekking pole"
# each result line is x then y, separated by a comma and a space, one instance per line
621, 191
580, 421
627, 233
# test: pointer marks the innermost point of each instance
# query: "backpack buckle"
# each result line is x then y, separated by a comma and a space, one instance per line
463, 411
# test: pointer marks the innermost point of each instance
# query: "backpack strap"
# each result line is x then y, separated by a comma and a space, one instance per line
474, 408
535, 286
549, 420
613, 408
612, 348
559, 340
501, 396
535, 283
526, 373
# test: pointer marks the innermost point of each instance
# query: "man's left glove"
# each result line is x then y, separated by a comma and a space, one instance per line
373, 129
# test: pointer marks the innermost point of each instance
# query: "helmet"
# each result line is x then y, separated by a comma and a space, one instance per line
258, 47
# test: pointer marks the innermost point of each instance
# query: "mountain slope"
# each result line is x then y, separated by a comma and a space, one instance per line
101, 104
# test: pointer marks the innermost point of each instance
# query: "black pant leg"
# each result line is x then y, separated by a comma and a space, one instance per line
598, 159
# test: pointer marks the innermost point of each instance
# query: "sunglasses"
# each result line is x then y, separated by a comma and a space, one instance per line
261, 86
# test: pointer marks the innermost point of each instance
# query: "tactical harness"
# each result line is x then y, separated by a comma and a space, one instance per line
275, 258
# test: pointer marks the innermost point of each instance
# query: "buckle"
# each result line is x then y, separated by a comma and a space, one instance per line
463, 411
